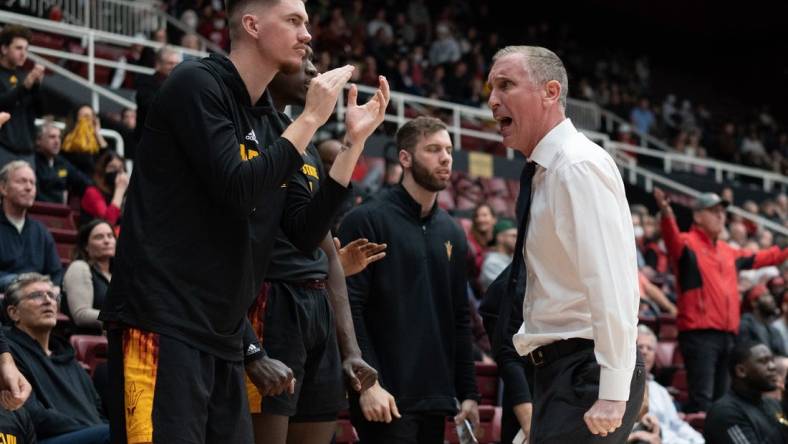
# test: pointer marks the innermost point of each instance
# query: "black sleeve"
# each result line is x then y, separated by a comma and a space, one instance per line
49, 422
308, 218
192, 103
356, 225
9, 98
510, 363
727, 424
252, 348
464, 367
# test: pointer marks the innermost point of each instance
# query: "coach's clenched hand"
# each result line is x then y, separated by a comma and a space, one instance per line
605, 416
271, 377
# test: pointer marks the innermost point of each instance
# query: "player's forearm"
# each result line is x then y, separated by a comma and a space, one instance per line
337, 293
301, 131
346, 160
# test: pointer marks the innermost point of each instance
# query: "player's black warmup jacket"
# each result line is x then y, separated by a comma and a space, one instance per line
207, 163
410, 309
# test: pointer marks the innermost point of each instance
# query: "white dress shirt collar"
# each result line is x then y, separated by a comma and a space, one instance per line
545, 151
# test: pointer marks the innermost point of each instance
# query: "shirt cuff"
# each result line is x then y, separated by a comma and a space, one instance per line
614, 384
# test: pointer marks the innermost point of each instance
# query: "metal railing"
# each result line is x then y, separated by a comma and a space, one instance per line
631, 171
89, 37
722, 170
127, 17
613, 121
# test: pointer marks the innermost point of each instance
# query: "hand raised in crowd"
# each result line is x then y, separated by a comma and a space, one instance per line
362, 120
321, 97
469, 409
378, 405
361, 375
121, 181
14, 388
357, 255
271, 377
662, 201
34, 76
605, 416
4, 117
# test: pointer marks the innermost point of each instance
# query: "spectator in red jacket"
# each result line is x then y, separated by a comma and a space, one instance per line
105, 199
709, 304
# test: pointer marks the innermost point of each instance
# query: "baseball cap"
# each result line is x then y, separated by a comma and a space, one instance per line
503, 225
708, 200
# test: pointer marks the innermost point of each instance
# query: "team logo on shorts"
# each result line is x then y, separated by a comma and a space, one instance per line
132, 398
448, 249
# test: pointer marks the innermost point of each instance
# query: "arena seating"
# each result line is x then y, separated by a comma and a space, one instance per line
90, 350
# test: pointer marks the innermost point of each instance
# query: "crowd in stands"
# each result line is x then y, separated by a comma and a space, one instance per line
442, 54
442, 50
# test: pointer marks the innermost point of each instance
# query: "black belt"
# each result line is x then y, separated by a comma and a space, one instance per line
556, 350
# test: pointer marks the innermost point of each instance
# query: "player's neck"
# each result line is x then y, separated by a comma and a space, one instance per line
255, 72
5, 63
421, 195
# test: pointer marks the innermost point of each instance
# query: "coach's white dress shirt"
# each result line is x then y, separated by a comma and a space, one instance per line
580, 254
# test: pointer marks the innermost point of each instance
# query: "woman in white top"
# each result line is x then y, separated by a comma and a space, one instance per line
87, 279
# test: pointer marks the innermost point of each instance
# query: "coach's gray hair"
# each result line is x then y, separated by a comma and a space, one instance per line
542, 65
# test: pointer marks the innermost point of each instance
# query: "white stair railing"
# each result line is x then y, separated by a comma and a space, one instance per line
90, 37
631, 171
127, 17
722, 170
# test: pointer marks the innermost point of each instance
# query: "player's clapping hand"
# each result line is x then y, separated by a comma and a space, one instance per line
321, 97
362, 120
271, 377
361, 375
357, 255
4, 117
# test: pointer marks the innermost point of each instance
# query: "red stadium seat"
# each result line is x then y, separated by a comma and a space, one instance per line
696, 420
667, 328
91, 350
345, 432
487, 381
679, 385
489, 430
53, 215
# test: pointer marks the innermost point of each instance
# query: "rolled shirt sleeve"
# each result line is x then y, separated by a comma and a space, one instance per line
592, 215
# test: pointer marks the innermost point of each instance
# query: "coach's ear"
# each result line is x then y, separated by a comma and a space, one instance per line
552, 92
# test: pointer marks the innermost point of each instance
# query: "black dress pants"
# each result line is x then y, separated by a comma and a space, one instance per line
706, 354
566, 388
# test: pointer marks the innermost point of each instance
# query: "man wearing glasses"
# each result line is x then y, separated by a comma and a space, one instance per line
64, 406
